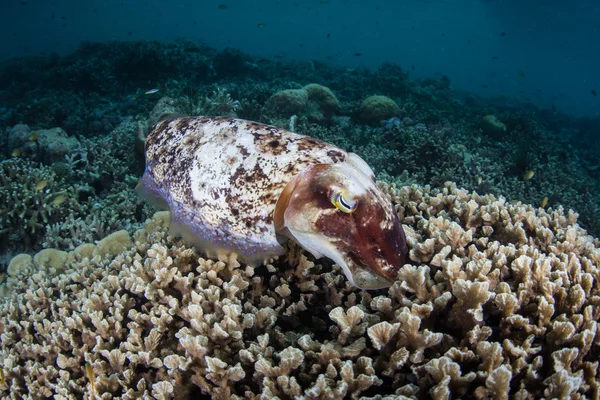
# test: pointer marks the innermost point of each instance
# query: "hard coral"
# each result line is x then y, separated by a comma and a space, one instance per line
316, 102
31, 197
377, 108
501, 301
491, 126
287, 102
323, 100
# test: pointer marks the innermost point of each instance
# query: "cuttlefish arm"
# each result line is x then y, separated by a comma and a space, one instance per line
337, 211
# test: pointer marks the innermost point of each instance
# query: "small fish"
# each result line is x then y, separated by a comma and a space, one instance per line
58, 200
34, 136
522, 73
479, 180
223, 6
358, 54
261, 25
2, 377
15, 153
494, 58
151, 91
502, 33
89, 373
41, 185
594, 93
544, 202
528, 175
412, 67
328, 35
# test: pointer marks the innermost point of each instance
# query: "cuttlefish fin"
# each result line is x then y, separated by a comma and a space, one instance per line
199, 236
147, 190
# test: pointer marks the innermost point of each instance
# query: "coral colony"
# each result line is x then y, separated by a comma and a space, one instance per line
472, 225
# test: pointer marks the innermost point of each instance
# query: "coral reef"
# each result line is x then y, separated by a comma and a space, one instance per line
491, 126
81, 197
92, 91
287, 102
313, 101
500, 298
377, 108
30, 198
44, 145
322, 101
499, 301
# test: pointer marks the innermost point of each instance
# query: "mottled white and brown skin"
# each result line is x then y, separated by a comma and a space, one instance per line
239, 186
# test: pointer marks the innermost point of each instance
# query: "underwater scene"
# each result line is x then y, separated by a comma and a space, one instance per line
286, 199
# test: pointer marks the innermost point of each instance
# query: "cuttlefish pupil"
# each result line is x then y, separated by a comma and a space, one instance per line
342, 203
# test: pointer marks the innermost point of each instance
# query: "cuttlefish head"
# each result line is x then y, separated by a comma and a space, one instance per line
337, 211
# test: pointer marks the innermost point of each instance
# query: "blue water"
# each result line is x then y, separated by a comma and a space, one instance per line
544, 52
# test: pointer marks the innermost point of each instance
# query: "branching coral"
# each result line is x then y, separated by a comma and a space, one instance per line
80, 200
31, 197
500, 301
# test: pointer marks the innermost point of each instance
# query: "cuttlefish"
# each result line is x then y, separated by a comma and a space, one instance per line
236, 186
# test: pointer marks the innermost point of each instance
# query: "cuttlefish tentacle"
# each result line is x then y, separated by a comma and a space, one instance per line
235, 186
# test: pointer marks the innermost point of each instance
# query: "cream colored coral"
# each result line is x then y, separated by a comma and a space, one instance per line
113, 244
349, 322
498, 301
382, 333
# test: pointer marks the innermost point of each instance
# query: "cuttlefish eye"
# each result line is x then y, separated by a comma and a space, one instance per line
343, 202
